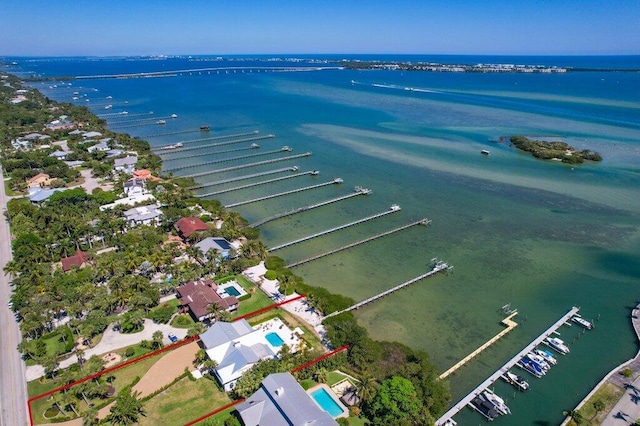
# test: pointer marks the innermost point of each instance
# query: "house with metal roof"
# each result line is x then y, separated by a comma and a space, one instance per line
126, 164
281, 401
221, 246
143, 215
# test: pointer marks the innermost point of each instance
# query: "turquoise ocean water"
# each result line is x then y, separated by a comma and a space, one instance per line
541, 236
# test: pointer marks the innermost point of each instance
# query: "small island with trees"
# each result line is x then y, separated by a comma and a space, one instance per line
554, 150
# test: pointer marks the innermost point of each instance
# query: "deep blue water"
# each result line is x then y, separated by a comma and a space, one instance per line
539, 235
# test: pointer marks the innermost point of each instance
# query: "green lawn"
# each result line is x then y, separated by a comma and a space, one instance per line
609, 394
173, 302
258, 299
182, 321
185, 401
334, 377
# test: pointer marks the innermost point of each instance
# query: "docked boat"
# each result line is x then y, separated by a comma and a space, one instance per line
557, 345
254, 146
582, 322
540, 360
108, 106
497, 402
531, 367
161, 122
484, 407
485, 152
178, 145
515, 381
204, 128
547, 356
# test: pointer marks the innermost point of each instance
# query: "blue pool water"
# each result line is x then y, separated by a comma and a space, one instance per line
328, 404
274, 339
232, 291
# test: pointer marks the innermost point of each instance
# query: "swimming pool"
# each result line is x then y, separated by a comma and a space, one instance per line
274, 339
326, 402
232, 291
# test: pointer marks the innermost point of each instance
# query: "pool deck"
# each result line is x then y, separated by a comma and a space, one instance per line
276, 325
345, 410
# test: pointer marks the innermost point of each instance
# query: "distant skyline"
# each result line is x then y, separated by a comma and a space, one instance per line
225, 27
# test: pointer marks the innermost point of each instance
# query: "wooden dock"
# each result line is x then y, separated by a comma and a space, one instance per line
244, 166
358, 191
424, 222
281, 194
226, 151
508, 322
512, 362
393, 209
439, 267
165, 150
250, 185
245, 177
140, 122
207, 139
226, 160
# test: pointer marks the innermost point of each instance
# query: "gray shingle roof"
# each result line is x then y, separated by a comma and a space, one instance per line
221, 332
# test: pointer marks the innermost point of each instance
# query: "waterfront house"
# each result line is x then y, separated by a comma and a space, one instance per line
281, 401
143, 215
134, 187
126, 164
220, 245
197, 296
189, 226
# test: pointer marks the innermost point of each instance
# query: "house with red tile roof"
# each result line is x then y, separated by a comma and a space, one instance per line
78, 260
187, 226
197, 296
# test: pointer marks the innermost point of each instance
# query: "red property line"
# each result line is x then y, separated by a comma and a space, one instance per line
320, 358
108, 370
214, 412
270, 307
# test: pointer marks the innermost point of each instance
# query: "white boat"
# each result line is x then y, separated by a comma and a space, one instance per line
108, 106
583, 322
540, 360
547, 356
530, 366
174, 115
485, 152
109, 97
161, 122
557, 345
515, 381
497, 402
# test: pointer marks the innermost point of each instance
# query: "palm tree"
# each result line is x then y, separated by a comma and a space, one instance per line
219, 313
157, 339
80, 355
201, 356
320, 375
198, 328
127, 409
366, 386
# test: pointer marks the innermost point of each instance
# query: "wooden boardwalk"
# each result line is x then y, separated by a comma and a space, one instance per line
513, 361
393, 209
424, 221
439, 267
508, 321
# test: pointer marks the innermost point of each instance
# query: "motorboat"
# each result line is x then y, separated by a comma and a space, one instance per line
484, 407
515, 381
161, 122
557, 345
174, 115
530, 366
485, 152
582, 322
497, 402
540, 360
547, 356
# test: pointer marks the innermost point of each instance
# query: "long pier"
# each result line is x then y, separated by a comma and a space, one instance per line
199, 70
264, 182
513, 361
226, 160
226, 151
141, 122
424, 222
508, 321
281, 194
395, 208
211, 138
124, 114
168, 150
244, 177
180, 132
244, 166
358, 191
440, 266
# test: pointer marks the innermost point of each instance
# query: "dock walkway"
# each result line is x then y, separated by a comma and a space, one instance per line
439, 267
393, 209
250, 185
168, 150
358, 191
226, 160
207, 139
244, 177
281, 194
244, 166
513, 361
424, 221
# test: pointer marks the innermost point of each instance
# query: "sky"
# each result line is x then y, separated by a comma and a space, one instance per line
225, 27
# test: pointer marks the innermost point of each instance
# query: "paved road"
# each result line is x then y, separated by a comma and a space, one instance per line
13, 387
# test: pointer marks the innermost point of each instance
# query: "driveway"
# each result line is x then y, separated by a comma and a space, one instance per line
113, 340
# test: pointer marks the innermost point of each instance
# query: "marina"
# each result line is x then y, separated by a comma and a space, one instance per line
281, 194
264, 182
394, 209
439, 267
357, 191
423, 222
226, 160
244, 166
505, 368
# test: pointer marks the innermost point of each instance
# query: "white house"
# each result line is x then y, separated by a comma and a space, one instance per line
126, 164
143, 215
